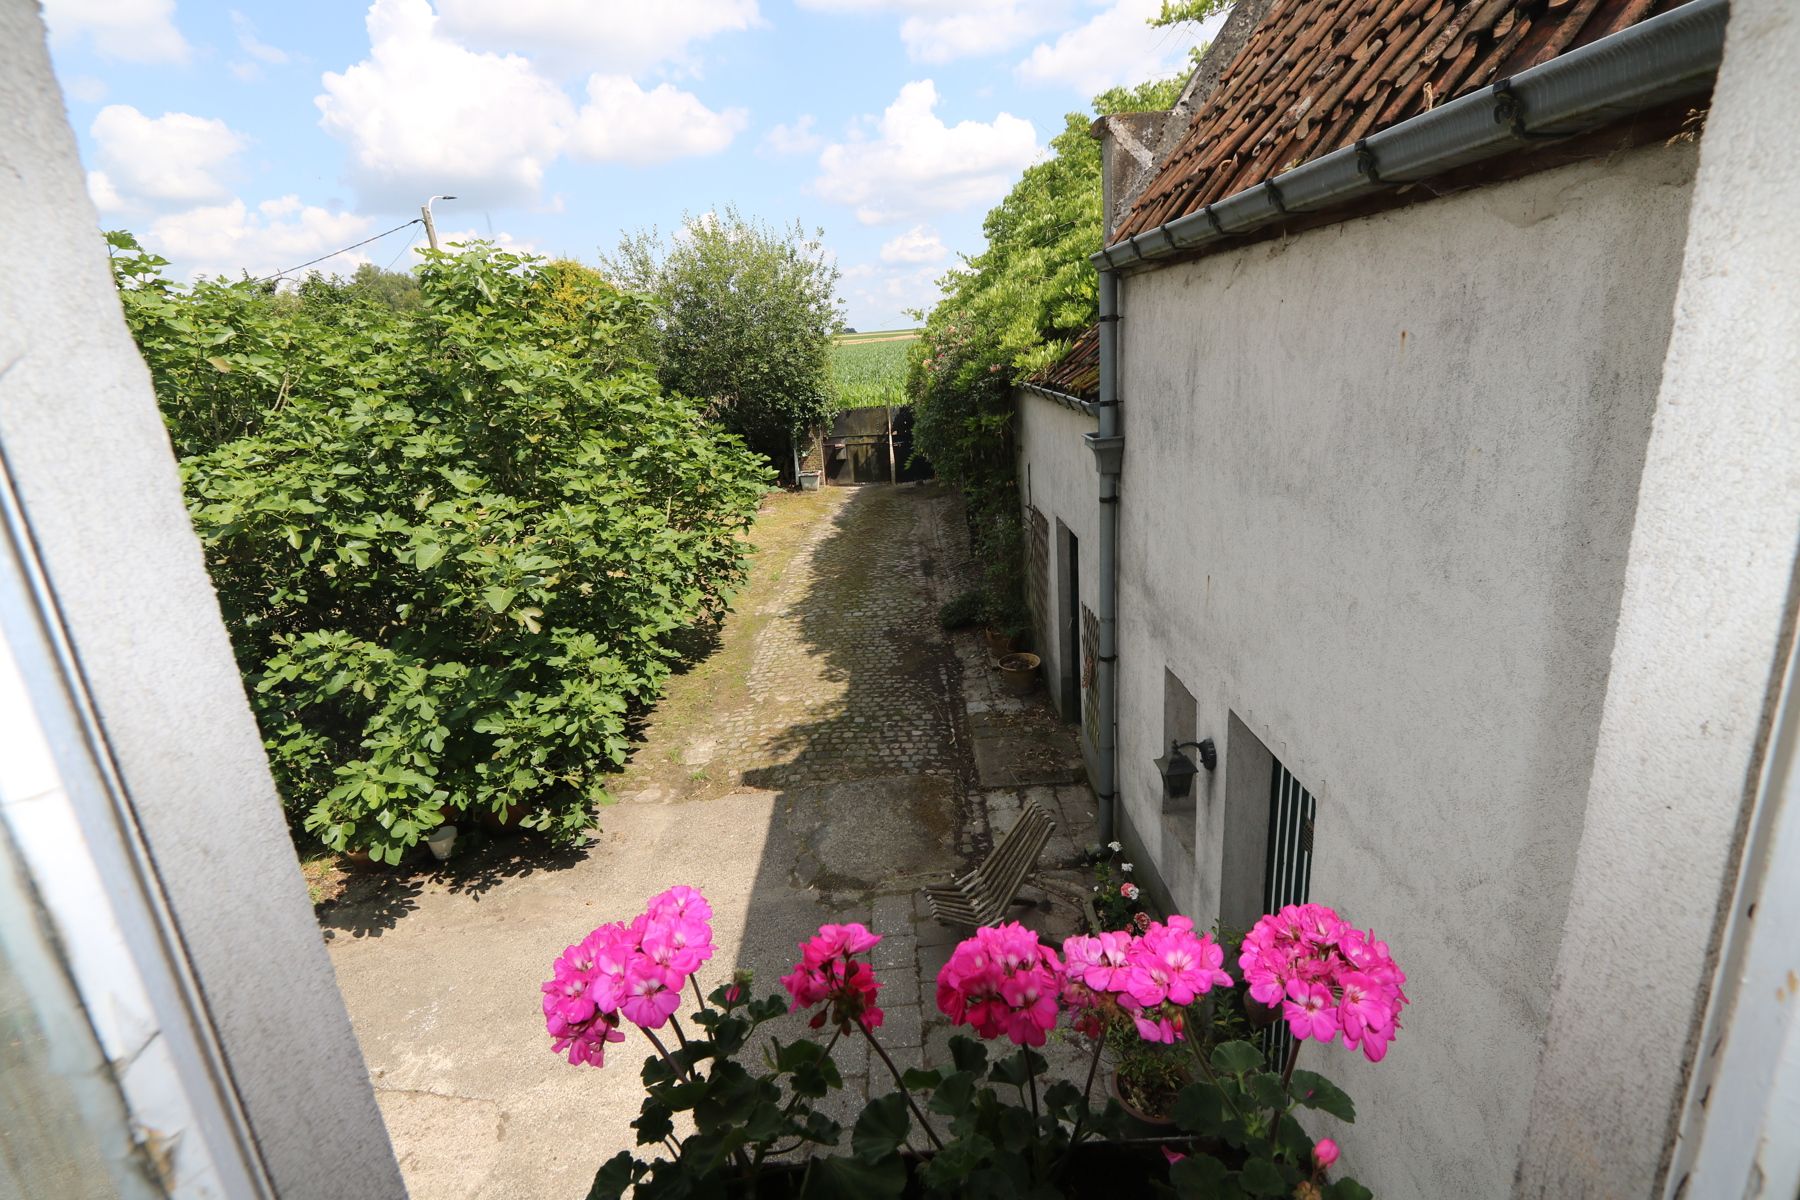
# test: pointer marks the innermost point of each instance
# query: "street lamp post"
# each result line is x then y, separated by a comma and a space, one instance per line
431, 229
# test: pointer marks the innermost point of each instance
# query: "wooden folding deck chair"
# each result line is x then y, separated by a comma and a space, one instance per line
983, 895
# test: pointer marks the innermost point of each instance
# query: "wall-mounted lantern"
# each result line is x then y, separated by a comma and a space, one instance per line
1178, 770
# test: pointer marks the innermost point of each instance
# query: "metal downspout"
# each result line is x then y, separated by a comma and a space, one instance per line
1108, 445
1666, 57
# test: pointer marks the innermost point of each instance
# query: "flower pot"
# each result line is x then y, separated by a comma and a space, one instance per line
1093, 1168
1000, 644
1124, 1095
809, 481
440, 841
1019, 673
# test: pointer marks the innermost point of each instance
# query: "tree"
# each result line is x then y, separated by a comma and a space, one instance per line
1006, 312
455, 544
397, 289
746, 316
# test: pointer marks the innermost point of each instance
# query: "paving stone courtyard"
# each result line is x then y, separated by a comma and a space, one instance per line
829, 752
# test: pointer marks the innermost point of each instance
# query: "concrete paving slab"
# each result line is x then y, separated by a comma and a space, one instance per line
817, 766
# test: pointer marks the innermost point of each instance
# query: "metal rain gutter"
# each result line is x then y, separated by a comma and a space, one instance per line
1108, 445
1665, 58
1065, 399
1673, 55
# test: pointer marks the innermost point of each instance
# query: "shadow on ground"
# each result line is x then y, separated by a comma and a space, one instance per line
813, 766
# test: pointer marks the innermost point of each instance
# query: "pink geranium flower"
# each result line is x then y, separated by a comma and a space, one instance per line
626, 972
1166, 1025
681, 903
1309, 1010
1111, 969
652, 994
575, 1019
829, 971
1328, 977
1004, 983
1170, 963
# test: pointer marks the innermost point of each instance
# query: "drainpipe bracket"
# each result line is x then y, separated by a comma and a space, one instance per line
1109, 452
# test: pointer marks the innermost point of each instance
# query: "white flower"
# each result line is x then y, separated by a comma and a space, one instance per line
1115, 847
1125, 867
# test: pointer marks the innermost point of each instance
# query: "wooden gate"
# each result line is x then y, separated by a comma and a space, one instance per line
873, 445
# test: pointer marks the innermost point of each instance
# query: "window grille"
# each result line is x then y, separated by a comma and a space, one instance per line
1287, 877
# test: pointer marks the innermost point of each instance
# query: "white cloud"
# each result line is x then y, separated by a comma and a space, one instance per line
1116, 47
938, 31
174, 158
798, 138
423, 115
621, 122
252, 45
250, 69
105, 196
603, 36
918, 165
881, 296
916, 245
132, 30
86, 88
232, 238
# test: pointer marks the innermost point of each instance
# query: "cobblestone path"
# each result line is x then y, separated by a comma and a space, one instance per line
815, 763
847, 674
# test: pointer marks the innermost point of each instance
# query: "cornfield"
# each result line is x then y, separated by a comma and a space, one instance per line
871, 372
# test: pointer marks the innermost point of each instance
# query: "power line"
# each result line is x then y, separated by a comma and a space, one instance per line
403, 250
335, 253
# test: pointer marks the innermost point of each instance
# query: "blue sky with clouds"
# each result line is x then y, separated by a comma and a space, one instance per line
255, 136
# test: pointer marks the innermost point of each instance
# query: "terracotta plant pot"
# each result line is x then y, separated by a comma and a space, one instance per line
1019, 673
1123, 1096
1000, 644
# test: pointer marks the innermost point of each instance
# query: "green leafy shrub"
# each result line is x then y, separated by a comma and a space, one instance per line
961, 611
451, 542
1007, 312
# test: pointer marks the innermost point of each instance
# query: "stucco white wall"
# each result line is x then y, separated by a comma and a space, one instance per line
1056, 474
1378, 488
1706, 621
93, 467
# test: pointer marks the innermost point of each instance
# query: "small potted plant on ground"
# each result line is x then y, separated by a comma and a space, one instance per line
1019, 672
1147, 1077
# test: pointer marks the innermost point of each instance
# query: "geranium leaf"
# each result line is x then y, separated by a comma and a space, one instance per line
1236, 1057
1315, 1091
881, 1128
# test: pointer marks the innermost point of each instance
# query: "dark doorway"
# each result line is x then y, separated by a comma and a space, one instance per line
1068, 625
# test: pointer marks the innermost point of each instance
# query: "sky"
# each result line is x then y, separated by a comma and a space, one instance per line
255, 136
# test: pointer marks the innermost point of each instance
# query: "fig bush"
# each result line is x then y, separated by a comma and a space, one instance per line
453, 541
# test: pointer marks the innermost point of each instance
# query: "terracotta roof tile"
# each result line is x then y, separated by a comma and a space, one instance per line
1316, 75
1076, 373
